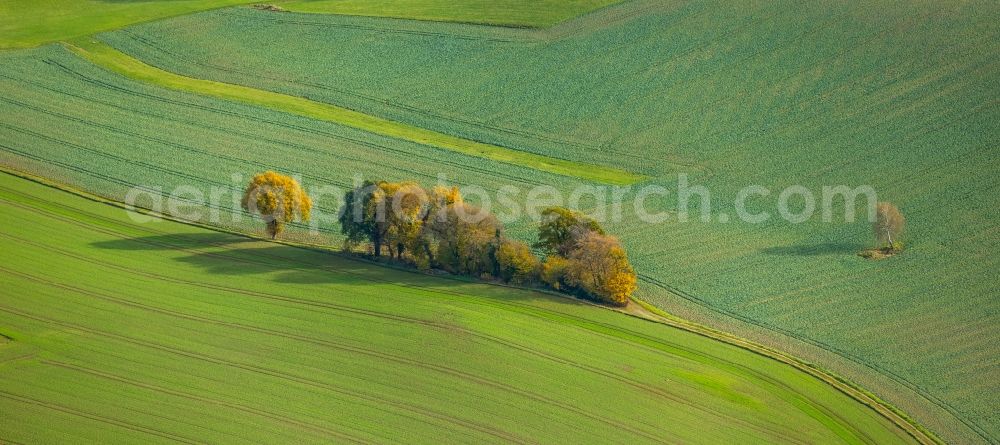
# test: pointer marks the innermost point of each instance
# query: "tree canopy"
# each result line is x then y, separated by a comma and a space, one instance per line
278, 199
561, 228
437, 229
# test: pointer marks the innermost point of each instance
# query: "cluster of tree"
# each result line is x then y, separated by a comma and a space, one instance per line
581, 258
437, 229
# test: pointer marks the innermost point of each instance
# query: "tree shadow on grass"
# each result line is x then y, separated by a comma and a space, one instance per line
172, 241
238, 256
831, 248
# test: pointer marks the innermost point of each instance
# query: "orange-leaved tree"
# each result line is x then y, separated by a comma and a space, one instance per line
599, 267
278, 199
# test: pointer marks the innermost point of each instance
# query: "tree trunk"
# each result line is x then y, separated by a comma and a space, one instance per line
430, 255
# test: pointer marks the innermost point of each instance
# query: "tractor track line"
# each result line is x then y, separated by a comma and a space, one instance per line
341, 347
95, 417
374, 399
489, 338
615, 376
194, 397
304, 129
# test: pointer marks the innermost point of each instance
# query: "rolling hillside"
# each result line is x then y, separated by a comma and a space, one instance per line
899, 95
117, 331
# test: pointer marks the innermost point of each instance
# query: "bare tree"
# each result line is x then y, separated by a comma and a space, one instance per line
888, 225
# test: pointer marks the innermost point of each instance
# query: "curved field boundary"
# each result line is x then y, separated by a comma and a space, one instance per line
121, 63
97, 83
371, 98
626, 336
915, 429
531, 137
617, 333
512, 14
893, 414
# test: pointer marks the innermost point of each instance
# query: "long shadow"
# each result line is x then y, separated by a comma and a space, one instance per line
170, 242
295, 265
832, 248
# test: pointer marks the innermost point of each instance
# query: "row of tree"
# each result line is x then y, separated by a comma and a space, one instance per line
437, 229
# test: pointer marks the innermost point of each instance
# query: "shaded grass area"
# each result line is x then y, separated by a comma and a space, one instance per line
112, 59
236, 339
518, 13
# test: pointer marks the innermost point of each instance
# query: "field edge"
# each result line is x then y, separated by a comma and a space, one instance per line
645, 311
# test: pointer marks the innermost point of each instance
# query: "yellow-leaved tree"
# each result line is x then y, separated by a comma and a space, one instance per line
599, 266
516, 261
278, 199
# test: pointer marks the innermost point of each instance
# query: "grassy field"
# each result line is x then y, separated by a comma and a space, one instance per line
899, 95
118, 331
519, 13
114, 60
25, 23
773, 94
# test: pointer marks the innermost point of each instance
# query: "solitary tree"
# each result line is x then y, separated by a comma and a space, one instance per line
277, 199
561, 228
889, 223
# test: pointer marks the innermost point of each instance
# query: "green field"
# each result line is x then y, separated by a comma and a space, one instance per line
739, 93
118, 62
900, 95
117, 331
26, 23
519, 13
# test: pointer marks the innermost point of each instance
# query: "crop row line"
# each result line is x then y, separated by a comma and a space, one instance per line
199, 398
803, 117
382, 30
330, 344
368, 97
225, 186
578, 321
94, 417
304, 129
247, 135
151, 191
820, 344
375, 400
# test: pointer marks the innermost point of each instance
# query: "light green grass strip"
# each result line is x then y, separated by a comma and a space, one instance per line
26, 23
114, 60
